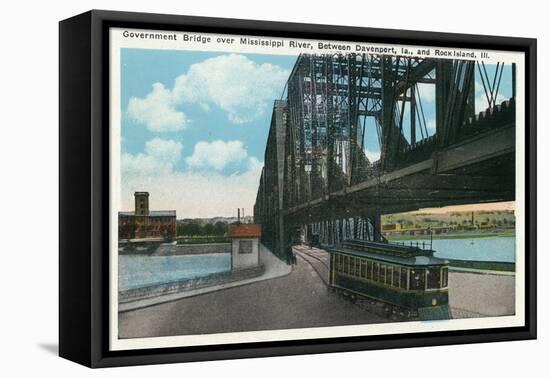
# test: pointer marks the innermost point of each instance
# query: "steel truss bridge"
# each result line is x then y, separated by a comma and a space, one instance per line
317, 177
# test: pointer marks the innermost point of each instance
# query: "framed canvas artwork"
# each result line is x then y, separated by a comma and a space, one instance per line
234, 188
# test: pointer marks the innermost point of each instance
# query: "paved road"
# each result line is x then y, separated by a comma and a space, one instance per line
473, 295
297, 300
300, 300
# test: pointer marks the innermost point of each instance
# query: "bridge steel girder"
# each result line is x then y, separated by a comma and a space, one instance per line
317, 177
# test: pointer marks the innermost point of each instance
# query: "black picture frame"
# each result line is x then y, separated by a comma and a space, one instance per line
84, 188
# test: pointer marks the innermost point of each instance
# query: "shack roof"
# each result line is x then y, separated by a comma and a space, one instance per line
245, 230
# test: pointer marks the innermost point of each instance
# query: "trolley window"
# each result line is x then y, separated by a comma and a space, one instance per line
417, 277
433, 278
395, 277
376, 272
403, 280
346, 264
369, 270
445, 277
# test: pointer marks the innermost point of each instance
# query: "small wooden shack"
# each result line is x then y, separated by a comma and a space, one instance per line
245, 245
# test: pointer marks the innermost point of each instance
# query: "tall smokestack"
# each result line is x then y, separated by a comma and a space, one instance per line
238, 215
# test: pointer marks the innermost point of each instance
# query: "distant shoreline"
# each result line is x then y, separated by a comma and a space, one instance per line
453, 236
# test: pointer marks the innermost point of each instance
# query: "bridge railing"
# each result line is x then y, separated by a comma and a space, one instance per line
489, 119
424, 245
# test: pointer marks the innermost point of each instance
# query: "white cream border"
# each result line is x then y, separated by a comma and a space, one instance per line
117, 41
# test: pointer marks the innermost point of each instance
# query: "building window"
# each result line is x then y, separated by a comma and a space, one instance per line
363, 268
352, 266
382, 273
376, 272
357, 267
245, 246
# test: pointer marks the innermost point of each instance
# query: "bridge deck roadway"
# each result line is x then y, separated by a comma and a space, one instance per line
479, 169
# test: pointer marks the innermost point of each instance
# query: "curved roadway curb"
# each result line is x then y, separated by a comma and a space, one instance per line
274, 268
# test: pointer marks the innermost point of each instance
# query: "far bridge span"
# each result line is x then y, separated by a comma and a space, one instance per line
317, 177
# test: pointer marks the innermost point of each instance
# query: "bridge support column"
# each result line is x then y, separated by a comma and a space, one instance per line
443, 73
375, 219
281, 243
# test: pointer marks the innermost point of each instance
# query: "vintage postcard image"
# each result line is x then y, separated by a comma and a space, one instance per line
269, 188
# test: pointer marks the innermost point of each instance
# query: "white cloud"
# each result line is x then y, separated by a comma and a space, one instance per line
426, 92
217, 154
481, 102
430, 125
159, 158
478, 88
157, 110
372, 155
239, 86
196, 194
254, 165
164, 150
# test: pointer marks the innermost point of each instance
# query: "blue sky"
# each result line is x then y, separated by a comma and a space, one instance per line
194, 126
427, 98
142, 68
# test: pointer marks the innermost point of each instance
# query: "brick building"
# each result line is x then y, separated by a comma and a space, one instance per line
144, 224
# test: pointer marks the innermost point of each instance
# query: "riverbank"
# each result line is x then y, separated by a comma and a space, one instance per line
156, 248
271, 267
482, 266
192, 249
300, 299
455, 235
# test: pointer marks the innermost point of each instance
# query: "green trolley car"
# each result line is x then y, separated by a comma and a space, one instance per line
408, 277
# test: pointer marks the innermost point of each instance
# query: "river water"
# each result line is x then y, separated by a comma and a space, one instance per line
494, 248
139, 271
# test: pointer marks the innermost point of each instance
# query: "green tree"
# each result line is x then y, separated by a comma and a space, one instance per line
220, 228
208, 229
